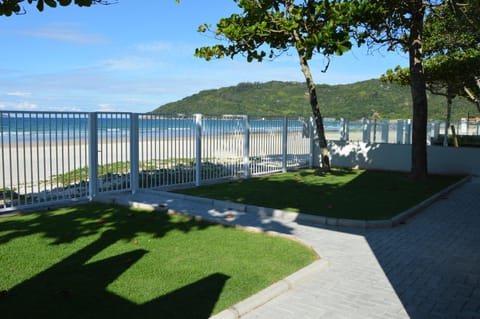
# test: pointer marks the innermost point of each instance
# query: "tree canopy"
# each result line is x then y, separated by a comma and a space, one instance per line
452, 52
268, 28
9, 7
400, 24
452, 48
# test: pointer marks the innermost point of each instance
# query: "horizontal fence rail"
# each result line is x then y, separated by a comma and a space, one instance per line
53, 157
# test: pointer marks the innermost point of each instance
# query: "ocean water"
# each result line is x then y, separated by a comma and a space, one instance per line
23, 127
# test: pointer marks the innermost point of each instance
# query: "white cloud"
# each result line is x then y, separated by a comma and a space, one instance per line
128, 63
18, 106
63, 32
155, 47
105, 107
63, 109
19, 94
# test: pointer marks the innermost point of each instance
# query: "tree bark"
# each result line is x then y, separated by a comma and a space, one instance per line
312, 93
419, 169
317, 115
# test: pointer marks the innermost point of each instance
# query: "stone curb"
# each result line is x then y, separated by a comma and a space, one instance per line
321, 220
402, 217
285, 215
125, 201
245, 306
43, 206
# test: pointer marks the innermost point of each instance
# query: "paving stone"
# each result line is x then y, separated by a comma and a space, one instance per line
468, 315
472, 305
425, 268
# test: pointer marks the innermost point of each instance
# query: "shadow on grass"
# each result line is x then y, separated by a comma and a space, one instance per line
343, 193
86, 220
430, 262
74, 288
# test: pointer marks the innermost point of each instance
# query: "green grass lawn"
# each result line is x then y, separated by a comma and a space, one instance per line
102, 261
353, 194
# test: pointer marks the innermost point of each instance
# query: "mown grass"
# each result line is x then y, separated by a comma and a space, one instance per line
343, 193
99, 261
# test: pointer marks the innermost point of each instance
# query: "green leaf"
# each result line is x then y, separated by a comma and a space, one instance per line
51, 3
40, 5
65, 2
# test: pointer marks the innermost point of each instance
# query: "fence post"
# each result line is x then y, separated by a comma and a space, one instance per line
408, 132
134, 154
366, 131
463, 127
344, 129
445, 134
311, 133
246, 148
399, 131
429, 133
284, 144
385, 130
198, 143
92, 155
436, 129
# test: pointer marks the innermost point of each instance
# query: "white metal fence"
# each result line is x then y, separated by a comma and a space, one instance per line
393, 131
63, 156
51, 157
42, 157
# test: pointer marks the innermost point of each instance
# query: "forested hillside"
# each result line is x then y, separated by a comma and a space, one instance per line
353, 101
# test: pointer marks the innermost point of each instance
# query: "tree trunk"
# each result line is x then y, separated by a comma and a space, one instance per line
312, 92
419, 168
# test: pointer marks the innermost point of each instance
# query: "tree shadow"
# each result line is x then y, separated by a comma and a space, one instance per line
73, 289
336, 172
304, 191
85, 220
77, 288
431, 261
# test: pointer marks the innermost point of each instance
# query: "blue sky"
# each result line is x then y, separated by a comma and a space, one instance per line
136, 55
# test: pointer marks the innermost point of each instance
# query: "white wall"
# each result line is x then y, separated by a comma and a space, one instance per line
397, 157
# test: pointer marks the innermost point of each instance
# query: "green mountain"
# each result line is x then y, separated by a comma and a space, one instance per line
352, 101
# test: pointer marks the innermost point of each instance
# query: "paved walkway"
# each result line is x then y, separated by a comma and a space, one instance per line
428, 267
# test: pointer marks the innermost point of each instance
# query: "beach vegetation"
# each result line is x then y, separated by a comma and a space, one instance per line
116, 176
158, 171
8, 193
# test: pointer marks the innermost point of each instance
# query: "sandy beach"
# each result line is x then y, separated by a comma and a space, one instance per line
29, 167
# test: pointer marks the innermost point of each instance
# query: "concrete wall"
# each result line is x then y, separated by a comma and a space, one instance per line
397, 157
